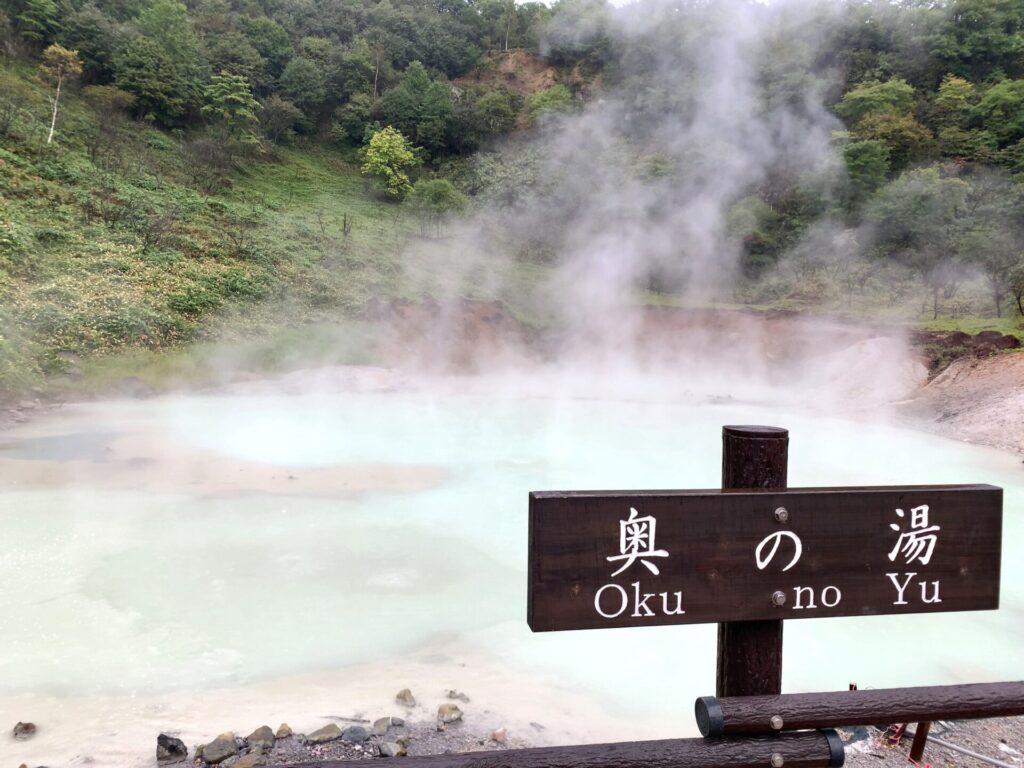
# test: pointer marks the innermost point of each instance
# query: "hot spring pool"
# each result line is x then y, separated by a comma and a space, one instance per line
205, 563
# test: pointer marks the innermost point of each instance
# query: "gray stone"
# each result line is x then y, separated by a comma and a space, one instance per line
329, 732
398, 722
221, 748
250, 761
458, 696
404, 740
284, 731
170, 749
24, 731
392, 749
405, 697
356, 734
381, 725
448, 713
230, 762
262, 737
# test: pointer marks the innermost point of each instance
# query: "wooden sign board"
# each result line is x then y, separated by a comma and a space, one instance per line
644, 558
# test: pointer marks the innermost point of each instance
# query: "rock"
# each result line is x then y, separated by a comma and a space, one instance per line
405, 697
329, 732
355, 734
230, 762
458, 696
284, 731
199, 751
448, 713
250, 761
221, 748
170, 749
392, 749
398, 722
381, 725
404, 740
500, 736
24, 731
262, 737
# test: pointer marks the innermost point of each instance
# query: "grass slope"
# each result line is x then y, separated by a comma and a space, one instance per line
124, 255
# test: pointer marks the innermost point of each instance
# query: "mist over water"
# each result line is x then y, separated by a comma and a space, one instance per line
197, 609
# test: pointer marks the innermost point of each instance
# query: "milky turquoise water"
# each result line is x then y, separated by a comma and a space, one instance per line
129, 591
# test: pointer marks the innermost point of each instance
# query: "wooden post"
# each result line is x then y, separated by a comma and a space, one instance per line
920, 739
750, 652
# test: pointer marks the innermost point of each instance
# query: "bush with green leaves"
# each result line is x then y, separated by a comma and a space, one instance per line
387, 159
556, 100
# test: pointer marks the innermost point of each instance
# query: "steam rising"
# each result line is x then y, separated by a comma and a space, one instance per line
649, 186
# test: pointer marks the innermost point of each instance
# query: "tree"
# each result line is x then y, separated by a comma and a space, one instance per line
15, 99
554, 100
993, 238
917, 220
279, 117
167, 23
96, 37
867, 165
435, 119
386, 159
494, 112
58, 64
303, 83
232, 107
996, 252
433, 201
233, 53
357, 69
38, 20
110, 106
1017, 286
893, 97
906, 138
972, 146
980, 38
270, 40
953, 101
1001, 111
420, 108
351, 119
144, 69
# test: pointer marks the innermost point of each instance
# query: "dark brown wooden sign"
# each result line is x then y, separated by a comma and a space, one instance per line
644, 558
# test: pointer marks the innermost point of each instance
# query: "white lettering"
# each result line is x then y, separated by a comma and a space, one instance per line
679, 604
935, 592
622, 607
798, 598
639, 604
824, 597
900, 589
775, 539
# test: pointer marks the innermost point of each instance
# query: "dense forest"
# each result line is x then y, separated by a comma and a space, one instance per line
165, 165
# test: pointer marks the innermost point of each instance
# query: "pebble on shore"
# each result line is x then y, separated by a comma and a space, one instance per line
24, 731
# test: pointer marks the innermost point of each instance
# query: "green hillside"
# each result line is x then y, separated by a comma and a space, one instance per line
240, 169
